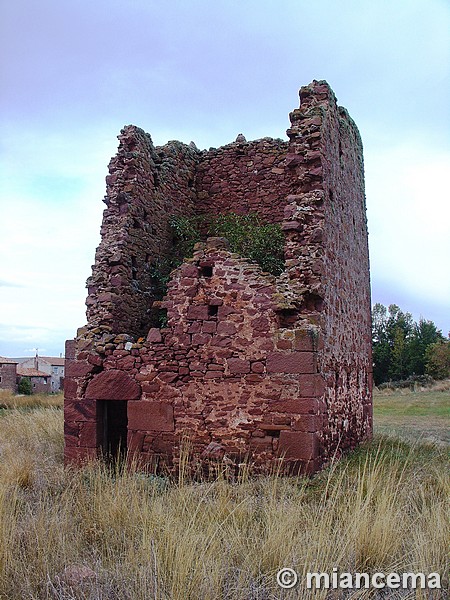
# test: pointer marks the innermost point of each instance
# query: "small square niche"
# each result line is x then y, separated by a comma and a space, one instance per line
213, 310
206, 271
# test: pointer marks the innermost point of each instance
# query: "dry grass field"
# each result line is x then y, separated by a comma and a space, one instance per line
92, 534
415, 415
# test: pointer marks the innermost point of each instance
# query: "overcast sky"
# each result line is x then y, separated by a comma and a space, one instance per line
74, 72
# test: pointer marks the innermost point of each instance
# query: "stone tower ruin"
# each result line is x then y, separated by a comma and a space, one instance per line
248, 366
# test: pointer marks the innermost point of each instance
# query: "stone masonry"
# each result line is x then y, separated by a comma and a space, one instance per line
249, 366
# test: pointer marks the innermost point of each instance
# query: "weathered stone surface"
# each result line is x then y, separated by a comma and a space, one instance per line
237, 365
154, 336
88, 434
113, 385
81, 410
78, 368
291, 362
150, 416
197, 312
245, 364
297, 445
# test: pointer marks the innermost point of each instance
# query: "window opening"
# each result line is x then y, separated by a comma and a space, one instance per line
206, 271
287, 317
213, 310
274, 433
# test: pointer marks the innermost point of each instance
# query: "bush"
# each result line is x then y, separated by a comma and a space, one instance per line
186, 233
247, 235
25, 386
250, 237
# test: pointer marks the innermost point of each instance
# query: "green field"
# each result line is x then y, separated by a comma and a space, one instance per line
422, 415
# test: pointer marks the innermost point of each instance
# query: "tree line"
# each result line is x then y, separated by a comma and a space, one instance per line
405, 349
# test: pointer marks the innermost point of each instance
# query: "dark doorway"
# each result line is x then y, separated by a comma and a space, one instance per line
113, 424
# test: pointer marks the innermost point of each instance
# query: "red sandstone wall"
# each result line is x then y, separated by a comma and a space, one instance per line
249, 365
347, 359
224, 373
343, 294
8, 376
145, 186
244, 177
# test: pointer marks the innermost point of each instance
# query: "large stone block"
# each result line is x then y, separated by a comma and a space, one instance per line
297, 406
135, 440
113, 385
292, 362
88, 434
237, 365
78, 368
70, 388
197, 312
311, 385
82, 410
71, 433
147, 415
70, 349
298, 445
310, 423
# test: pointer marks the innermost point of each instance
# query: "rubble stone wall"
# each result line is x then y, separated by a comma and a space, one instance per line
145, 186
249, 366
8, 376
244, 177
338, 280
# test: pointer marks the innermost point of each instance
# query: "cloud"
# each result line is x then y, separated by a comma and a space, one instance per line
409, 216
4, 283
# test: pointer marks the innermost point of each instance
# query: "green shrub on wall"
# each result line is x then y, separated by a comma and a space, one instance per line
186, 233
248, 235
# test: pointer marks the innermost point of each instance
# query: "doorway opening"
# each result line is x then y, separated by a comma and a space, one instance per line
113, 425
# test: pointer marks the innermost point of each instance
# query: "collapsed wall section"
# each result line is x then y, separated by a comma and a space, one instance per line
225, 373
145, 186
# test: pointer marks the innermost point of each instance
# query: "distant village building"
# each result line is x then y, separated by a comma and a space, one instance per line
46, 373
8, 374
40, 381
49, 365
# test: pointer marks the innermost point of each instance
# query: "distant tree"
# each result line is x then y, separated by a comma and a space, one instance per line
437, 359
424, 334
380, 345
25, 386
399, 344
397, 367
391, 328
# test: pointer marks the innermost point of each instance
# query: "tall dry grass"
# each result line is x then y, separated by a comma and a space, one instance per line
97, 534
10, 400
